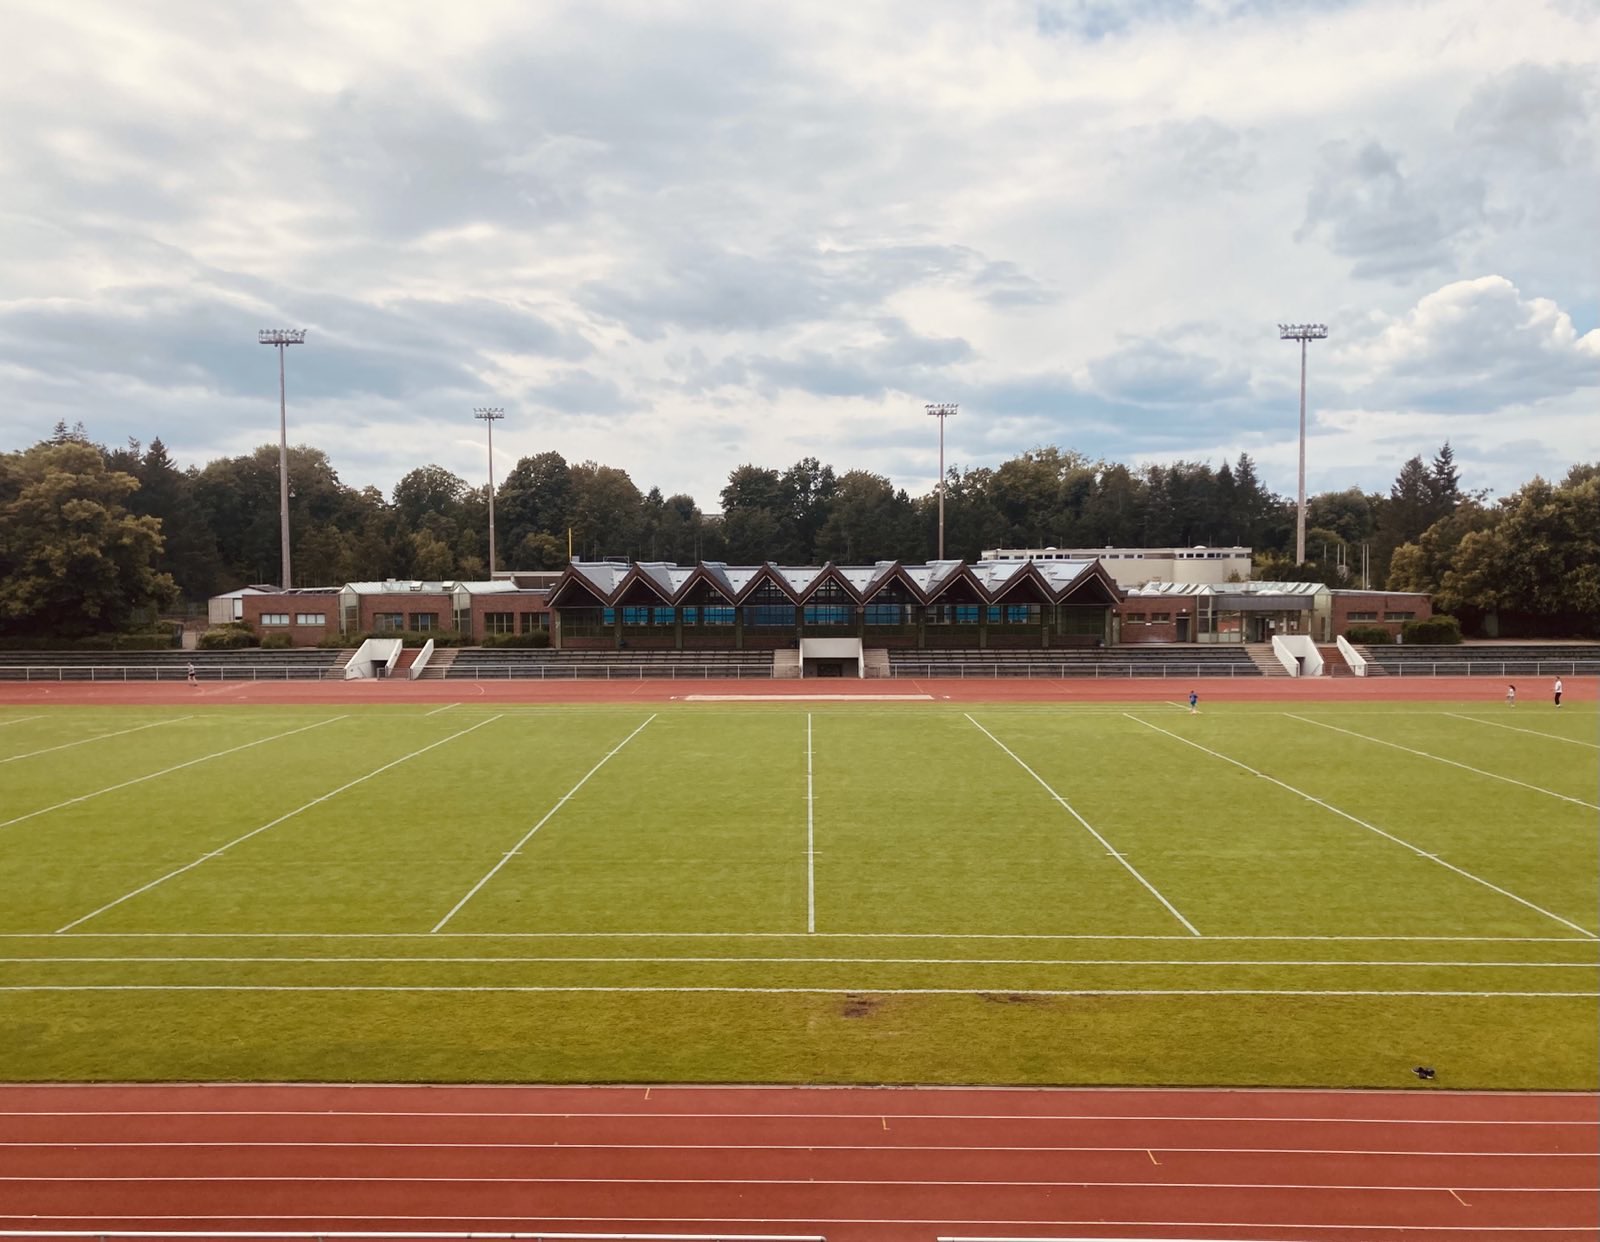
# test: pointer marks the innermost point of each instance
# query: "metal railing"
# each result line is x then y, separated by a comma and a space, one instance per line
1482, 668
586, 670
162, 672
964, 669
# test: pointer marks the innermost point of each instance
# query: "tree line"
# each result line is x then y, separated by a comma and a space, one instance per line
92, 537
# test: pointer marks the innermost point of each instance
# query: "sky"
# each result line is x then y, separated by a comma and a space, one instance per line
677, 237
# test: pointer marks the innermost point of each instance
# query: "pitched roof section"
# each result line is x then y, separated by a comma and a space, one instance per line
992, 581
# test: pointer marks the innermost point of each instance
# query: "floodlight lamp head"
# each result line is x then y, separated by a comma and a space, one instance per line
489, 413
282, 336
941, 409
1302, 331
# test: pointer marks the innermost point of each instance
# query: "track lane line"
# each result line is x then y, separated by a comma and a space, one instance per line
83, 741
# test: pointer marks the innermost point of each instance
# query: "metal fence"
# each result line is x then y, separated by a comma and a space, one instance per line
1484, 668
980, 669
584, 670
164, 672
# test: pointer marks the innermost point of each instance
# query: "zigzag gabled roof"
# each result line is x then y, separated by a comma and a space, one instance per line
990, 581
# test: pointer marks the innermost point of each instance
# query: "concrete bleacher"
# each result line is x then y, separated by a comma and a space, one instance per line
483, 663
1143, 660
246, 664
1496, 659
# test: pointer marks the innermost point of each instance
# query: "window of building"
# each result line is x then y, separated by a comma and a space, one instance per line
424, 621
534, 622
887, 614
1399, 616
311, 618
1363, 616
388, 620
1134, 616
709, 614
274, 618
829, 614
1160, 616
499, 622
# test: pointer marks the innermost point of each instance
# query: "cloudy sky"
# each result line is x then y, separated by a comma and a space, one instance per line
679, 236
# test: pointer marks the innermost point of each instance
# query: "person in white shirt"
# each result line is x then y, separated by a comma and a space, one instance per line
1558, 692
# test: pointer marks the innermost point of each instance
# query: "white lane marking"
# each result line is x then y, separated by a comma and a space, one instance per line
222, 849
481, 1179
755, 991
1070, 810
403, 959
177, 767
155, 724
806, 1147
1465, 767
1554, 737
811, 836
19, 720
527, 836
1328, 806
445, 708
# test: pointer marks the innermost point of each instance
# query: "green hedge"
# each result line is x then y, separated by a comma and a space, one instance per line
538, 638
160, 641
408, 638
276, 642
230, 637
1368, 635
1442, 630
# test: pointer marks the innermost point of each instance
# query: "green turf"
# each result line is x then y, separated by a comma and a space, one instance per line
1263, 894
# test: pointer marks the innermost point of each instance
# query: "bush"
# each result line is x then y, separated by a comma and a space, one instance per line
92, 642
276, 642
1442, 630
408, 638
230, 637
538, 638
1368, 635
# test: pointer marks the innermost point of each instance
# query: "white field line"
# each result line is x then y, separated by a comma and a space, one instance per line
341, 1144
1554, 737
527, 836
811, 837
705, 935
755, 991
155, 724
1415, 849
1465, 767
19, 720
807, 961
1067, 806
177, 767
222, 849
445, 708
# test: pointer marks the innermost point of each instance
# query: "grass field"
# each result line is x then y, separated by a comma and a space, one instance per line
1281, 895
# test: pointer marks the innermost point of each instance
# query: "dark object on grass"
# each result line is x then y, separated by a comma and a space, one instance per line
1423, 1071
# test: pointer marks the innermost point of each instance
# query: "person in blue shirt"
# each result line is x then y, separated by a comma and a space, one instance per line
1194, 702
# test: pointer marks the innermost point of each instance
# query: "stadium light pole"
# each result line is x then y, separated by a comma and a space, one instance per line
1302, 332
490, 414
282, 338
941, 410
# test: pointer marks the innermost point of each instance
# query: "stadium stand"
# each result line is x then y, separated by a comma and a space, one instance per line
480, 663
1145, 660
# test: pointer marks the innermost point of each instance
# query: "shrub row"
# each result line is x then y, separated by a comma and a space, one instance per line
233, 636
1368, 635
538, 638
408, 638
150, 641
1435, 630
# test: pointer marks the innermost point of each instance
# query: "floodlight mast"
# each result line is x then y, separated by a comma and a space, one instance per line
941, 410
1302, 332
282, 338
490, 414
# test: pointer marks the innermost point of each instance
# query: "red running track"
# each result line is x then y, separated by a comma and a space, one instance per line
853, 1164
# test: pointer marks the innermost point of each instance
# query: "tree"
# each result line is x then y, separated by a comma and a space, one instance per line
189, 549
1444, 483
73, 560
606, 511
536, 498
870, 521
429, 489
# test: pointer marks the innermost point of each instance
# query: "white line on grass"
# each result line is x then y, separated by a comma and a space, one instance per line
630, 960
773, 935
527, 836
1495, 724
811, 837
1328, 806
155, 724
19, 720
445, 708
758, 991
222, 849
177, 767
1067, 806
1465, 767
